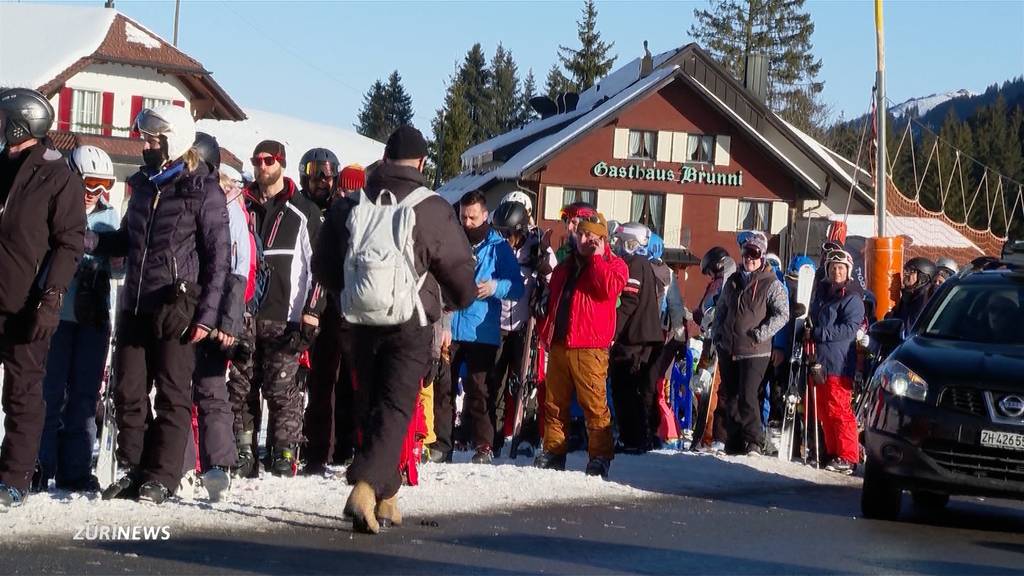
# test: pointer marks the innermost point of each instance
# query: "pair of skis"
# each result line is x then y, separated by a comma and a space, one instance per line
521, 390
797, 386
707, 365
106, 462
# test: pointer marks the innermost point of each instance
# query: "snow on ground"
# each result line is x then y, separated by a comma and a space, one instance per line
271, 503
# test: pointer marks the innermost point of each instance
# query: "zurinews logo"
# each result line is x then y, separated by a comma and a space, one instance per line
136, 533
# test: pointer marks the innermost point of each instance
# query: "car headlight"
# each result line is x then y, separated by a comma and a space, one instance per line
899, 380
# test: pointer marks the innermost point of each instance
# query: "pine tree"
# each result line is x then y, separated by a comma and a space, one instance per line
505, 103
373, 118
475, 78
996, 146
780, 29
452, 131
591, 61
556, 82
957, 178
526, 111
398, 103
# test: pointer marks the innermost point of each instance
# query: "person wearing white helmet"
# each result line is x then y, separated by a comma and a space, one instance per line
835, 316
946, 268
638, 335
78, 349
175, 238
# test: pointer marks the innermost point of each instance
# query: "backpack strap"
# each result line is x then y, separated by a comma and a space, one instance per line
411, 201
416, 196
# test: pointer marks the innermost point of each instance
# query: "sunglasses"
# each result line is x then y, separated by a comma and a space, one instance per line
94, 186
265, 160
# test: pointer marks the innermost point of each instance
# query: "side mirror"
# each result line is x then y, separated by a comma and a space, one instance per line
888, 332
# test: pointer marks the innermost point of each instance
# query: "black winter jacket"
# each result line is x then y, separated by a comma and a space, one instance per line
179, 231
638, 318
42, 229
288, 225
442, 249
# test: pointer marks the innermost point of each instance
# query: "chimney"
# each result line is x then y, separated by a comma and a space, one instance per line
756, 75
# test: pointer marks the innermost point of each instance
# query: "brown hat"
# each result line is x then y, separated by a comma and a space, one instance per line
272, 147
595, 224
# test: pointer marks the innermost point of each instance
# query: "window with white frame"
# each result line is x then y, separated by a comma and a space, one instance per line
700, 148
648, 208
754, 215
153, 102
642, 144
86, 111
572, 195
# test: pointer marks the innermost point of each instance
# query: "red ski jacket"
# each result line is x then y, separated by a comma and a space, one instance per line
592, 316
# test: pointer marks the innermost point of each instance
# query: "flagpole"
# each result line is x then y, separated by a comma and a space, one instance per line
880, 114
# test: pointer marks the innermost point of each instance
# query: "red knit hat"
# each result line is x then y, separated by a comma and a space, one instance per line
353, 177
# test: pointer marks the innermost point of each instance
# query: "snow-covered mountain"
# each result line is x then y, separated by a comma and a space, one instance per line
926, 103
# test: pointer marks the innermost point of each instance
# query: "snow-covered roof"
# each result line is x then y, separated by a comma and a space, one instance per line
518, 165
297, 135
66, 34
841, 165
925, 232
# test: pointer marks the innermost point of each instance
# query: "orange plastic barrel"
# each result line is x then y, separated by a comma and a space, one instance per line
884, 266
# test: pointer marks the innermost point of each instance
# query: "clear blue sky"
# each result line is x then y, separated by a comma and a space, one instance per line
316, 59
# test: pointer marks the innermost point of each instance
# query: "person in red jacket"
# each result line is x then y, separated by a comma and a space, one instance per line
578, 330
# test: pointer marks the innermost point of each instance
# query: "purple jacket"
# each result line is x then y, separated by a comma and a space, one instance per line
182, 232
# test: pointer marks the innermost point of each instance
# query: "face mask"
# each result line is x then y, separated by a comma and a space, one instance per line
478, 234
153, 159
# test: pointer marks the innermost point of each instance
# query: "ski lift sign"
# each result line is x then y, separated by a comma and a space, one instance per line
685, 174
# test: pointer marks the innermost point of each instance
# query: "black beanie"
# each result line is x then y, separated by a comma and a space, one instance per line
272, 147
405, 143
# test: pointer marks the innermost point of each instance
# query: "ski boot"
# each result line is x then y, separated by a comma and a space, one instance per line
598, 467
549, 461
246, 460
154, 492
10, 497
283, 462
217, 481
483, 455
126, 487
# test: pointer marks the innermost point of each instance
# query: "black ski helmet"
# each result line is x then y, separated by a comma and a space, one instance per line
208, 149
925, 269
510, 217
713, 261
24, 114
307, 167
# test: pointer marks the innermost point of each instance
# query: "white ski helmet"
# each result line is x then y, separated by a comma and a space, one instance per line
520, 197
174, 123
91, 162
633, 238
947, 265
839, 257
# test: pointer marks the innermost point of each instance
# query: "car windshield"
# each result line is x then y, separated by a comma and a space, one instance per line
980, 313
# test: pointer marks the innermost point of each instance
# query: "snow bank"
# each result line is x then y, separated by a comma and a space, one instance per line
316, 502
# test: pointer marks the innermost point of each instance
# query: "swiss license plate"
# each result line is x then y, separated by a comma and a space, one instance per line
1005, 440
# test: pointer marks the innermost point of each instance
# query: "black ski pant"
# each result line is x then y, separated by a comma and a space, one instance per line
634, 393
478, 402
271, 370
390, 365
25, 411
329, 426
216, 419
155, 450
738, 415
508, 363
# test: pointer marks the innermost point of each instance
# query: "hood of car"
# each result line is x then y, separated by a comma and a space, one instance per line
959, 363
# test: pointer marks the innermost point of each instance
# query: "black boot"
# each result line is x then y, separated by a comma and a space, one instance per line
598, 467
549, 461
126, 487
284, 462
154, 492
246, 462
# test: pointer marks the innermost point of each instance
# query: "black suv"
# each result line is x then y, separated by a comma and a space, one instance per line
945, 413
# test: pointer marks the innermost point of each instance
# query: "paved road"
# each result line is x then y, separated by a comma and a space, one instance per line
805, 529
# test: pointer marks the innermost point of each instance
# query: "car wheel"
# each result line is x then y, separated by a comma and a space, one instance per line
930, 501
880, 497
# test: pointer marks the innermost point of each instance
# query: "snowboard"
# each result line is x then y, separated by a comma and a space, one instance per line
705, 385
106, 462
521, 390
797, 367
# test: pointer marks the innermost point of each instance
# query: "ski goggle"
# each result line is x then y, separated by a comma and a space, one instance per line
149, 123
579, 214
320, 170
267, 161
831, 246
94, 185
752, 253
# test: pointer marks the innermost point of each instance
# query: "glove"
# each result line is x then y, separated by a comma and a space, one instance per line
863, 339
679, 334
299, 339
175, 315
46, 317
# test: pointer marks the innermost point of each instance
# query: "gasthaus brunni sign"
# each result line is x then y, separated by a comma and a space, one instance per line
685, 174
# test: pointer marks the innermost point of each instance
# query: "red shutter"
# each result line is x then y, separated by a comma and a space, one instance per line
179, 103
64, 109
107, 119
136, 108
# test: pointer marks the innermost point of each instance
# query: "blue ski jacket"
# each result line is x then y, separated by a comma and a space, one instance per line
480, 322
837, 313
